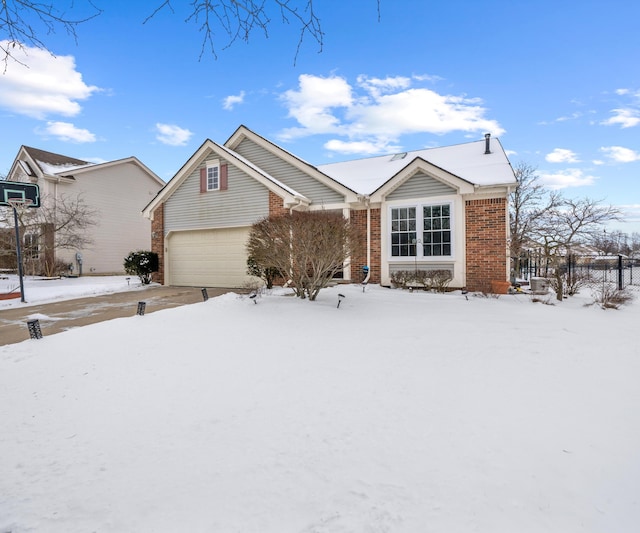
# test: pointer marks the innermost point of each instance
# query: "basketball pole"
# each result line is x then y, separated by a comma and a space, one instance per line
18, 252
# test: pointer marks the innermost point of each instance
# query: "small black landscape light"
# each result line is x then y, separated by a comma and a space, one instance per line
141, 307
340, 298
253, 297
205, 294
34, 329
465, 292
128, 279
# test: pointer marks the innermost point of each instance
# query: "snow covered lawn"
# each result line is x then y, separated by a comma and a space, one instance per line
396, 412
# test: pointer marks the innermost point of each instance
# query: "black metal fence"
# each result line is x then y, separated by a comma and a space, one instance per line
622, 271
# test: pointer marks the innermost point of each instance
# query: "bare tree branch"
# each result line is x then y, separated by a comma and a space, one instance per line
26, 22
239, 19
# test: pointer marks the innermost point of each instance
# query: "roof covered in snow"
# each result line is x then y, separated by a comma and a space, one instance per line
52, 164
467, 161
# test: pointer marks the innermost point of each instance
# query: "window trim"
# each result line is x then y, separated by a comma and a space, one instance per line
213, 165
419, 208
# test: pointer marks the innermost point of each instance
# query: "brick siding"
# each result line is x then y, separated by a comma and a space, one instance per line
486, 242
359, 221
275, 205
157, 242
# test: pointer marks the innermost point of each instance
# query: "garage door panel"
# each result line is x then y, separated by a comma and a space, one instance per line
208, 258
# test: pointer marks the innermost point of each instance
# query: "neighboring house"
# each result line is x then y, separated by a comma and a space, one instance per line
116, 191
438, 208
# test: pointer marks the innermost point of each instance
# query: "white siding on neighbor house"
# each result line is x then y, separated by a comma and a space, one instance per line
118, 193
288, 174
420, 185
244, 202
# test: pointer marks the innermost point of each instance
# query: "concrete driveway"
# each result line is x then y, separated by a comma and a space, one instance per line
82, 311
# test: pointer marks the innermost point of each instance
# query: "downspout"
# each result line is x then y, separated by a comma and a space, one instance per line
367, 203
366, 200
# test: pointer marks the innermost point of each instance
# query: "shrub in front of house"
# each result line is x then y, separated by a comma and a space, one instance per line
267, 274
437, 280
141, 264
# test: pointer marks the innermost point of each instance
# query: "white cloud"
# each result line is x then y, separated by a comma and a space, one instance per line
43, 84
172, 135
626, 117
572, 177
562, 155
377, 86
231, 101
631, 212
312, 104
66, 131
619, 154
360, 147
376, 111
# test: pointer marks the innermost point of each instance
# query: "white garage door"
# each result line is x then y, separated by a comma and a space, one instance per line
208, 258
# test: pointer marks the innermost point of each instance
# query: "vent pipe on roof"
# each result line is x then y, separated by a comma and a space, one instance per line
487, 143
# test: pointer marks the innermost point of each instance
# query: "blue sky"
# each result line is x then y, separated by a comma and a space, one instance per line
557, 82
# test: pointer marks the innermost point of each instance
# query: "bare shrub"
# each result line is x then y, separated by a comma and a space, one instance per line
575, 282
310, 247
608, 296
440, 279
402, 278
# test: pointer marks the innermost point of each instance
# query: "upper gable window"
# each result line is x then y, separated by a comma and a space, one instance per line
213, 175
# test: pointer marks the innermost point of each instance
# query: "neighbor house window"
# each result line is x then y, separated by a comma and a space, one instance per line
421, 231
31, 249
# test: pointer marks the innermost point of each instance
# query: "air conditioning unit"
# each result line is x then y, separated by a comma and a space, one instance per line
539, 285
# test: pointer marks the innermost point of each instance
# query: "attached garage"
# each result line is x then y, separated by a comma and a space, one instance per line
208, 258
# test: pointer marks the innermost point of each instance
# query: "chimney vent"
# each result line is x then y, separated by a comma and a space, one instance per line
487, 143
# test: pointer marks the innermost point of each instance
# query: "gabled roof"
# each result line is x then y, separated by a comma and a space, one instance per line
465, 167
50, 163
330, 181
466, 161
287, 193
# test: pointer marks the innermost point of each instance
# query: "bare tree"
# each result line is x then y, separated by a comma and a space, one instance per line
612, 242
57, 225
27, 22
528, 203
569, 222
309, 248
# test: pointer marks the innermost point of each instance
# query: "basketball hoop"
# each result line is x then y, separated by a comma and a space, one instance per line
19, 204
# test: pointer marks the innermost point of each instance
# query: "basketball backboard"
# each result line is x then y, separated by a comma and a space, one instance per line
10, 190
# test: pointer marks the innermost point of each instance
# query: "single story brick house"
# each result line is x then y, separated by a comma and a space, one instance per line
436, 208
